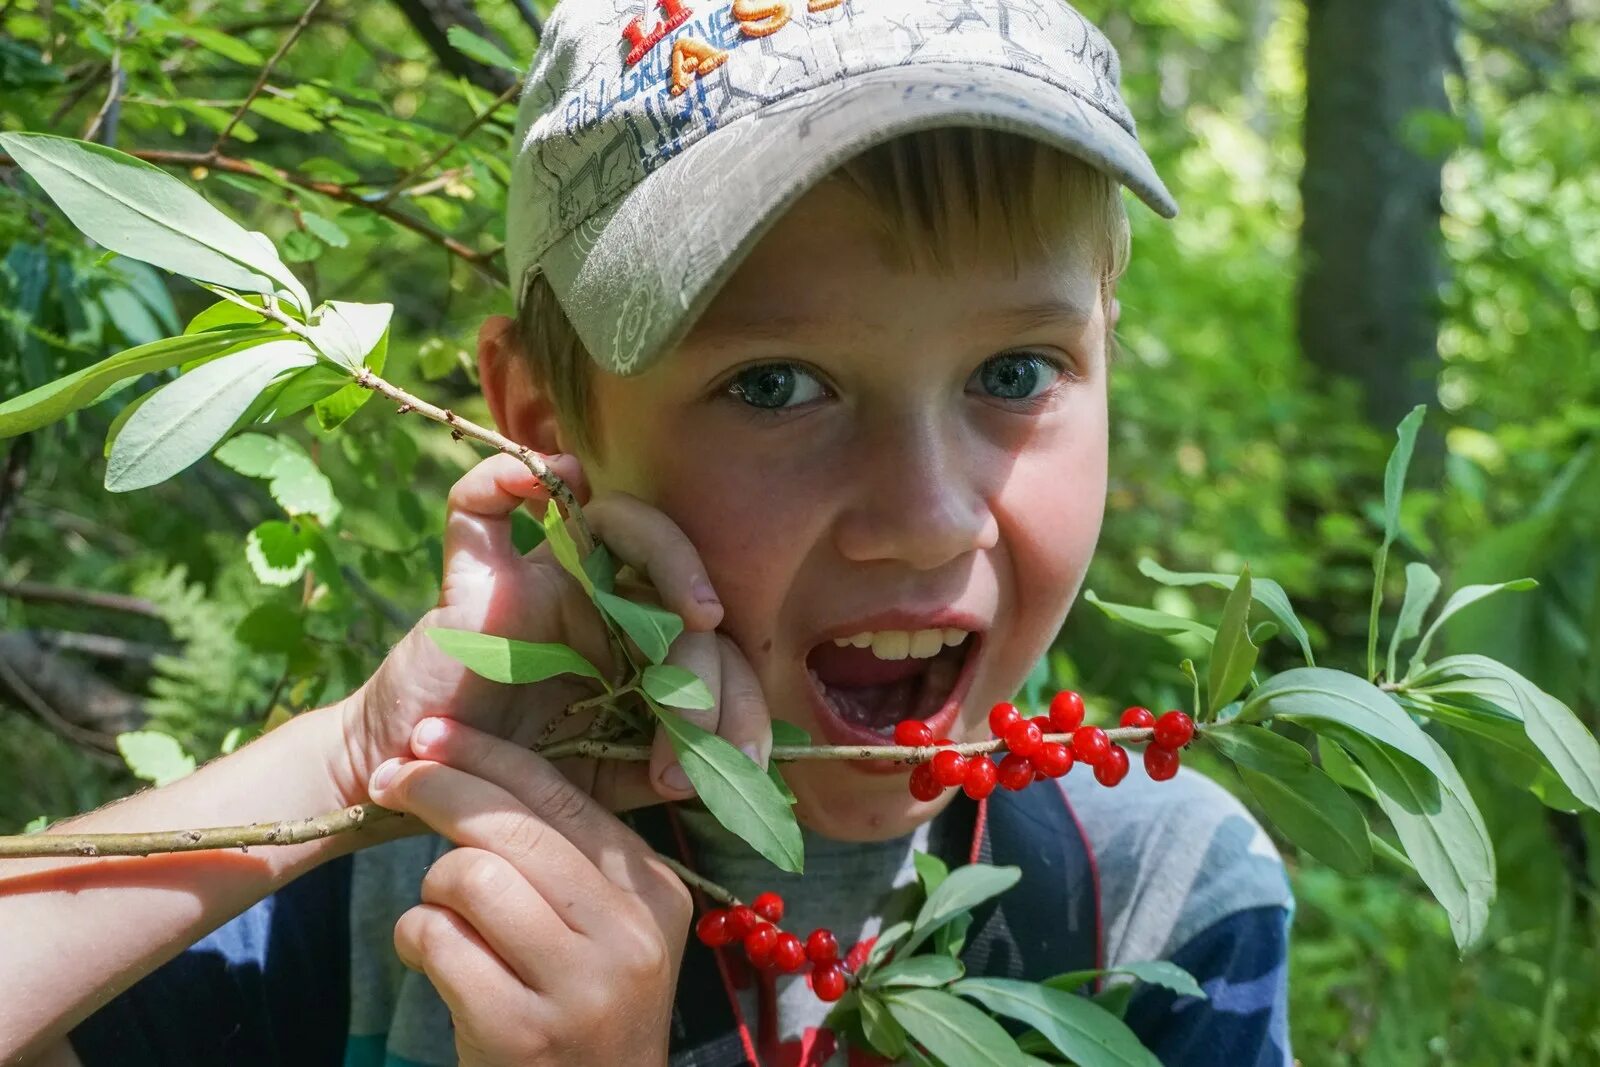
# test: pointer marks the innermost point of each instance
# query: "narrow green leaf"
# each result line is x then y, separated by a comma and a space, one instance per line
1258, 748
37, 824
931, 871
154, 757
1422, 585
1462, 598
489, 54
1514, 755
1338, 765
1149, 620
186, 418
565, 549
882, 1032
887, 941
333, 410
653, 629
783, 733
602, 570
1233, 657
676, 687
955, 1032
1078, 1028
141, 211
1163, 973
919, 971
736, 791
964, 889
1394, 483
1268, 593
502, 659
347, 332
1315, 814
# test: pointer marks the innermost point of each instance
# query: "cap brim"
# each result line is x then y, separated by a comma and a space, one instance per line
634, 277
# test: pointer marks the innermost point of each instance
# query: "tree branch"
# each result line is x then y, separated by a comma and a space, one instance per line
431, 18
266, 72
37, 592
405, 180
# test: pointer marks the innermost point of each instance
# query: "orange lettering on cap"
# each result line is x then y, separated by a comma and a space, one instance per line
823, 5
692, 58
757, 19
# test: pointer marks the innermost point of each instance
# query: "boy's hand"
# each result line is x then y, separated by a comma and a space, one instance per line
490, 587
552, 932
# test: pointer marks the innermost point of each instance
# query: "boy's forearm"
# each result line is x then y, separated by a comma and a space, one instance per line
76, 932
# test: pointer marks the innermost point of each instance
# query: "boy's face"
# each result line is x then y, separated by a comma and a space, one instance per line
857, 447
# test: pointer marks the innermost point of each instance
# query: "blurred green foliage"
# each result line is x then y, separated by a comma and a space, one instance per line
1227, 448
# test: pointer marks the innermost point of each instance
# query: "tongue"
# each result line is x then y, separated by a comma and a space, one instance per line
852, 667
875, 693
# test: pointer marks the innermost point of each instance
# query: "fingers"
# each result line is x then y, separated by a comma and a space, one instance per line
478, 529
648, 541
518, 924
471, 979
739, 715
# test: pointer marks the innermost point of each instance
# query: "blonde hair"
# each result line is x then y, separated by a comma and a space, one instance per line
940, 195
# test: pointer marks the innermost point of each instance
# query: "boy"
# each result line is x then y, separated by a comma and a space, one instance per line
847, 269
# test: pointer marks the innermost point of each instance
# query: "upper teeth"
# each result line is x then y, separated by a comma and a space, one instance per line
898, 644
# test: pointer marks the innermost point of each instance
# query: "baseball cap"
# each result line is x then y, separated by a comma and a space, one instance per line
657, 140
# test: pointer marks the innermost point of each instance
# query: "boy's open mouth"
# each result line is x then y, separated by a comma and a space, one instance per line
862, 686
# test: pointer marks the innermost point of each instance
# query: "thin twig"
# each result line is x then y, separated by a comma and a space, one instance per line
290, 832
531, 17
699, 881
101, 746
261, 80
37, 592
405, 180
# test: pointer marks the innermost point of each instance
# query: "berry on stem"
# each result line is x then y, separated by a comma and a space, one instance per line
1023, 738
981, 776
1053, 759
949, 768
856, 958
759, 943
1001, 716
1142, 718
741, 920
913, 733
828, 981
789, 954
712, 929
1090, 744
1113, 767
1160, 763
1173, 730
1016, 772
822, 946
1066, 712
924, 783
769, 906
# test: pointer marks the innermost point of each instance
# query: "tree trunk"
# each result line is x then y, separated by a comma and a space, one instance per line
1371, 260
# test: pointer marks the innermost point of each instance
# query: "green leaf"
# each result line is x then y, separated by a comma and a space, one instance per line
1394, 483
885, 943
676, 687
1163, 973
346, 332
931, 871
1233, 657
783, 733
279, 552
565, 549
1268, 593
287, 114
489, 54
186, 418
736, 791
325, 229
139, 210
1557, 733
271, 627
1513, 754
882, 1032
227, 315
154, 757
602, 571
1338, 765
1461, 598
1078, 1028
1441, 829
653, 629
955, 1032
57, 399
293, 479
963, 890
333, 410
1315, 695
1315, 814
512, 662
1422, 585
1149, 620
1258, 748
223, 44
37, 824
919, 971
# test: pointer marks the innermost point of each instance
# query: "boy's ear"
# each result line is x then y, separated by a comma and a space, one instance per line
522, 409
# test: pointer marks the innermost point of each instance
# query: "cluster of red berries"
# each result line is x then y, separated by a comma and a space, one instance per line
755, 926
1030, 758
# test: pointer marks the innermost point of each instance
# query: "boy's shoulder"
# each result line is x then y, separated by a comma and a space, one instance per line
1172, 859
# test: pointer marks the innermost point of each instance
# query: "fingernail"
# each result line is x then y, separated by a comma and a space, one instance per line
384, 774
703, 593
754, 752
428, 732
674, 779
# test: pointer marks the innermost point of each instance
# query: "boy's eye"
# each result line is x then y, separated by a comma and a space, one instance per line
772, 386
1016, 375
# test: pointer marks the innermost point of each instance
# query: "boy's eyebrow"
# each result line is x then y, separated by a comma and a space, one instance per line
1025, 318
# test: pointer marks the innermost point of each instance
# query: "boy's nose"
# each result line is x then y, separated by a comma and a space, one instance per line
919, 500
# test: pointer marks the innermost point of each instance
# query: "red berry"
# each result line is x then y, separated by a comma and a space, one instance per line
759, 943
981, 775
913, 733
1138, 717
856, 958
828, 982
741, 920
924, 783
1114, 767
1160, 763
822, 946
1090, 744
1016, 772
1023, 738
769, 906
943, 741
949, 768
1001, 716
1173, 730
789, 954
1066, 712
712, 929
1044, 724
1053, 759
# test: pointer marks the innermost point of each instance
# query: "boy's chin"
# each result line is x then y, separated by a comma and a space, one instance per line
845, 805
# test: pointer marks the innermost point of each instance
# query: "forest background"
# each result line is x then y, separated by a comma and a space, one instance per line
1385, 202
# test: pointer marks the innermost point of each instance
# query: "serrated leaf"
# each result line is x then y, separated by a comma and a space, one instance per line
736, 791
955, 1032
676, 687
511, 662
919, 971
154, 757
1149, 620
1163, 973
653, 629
139, 210
1462, 598
186, 418
489, 54
279, 552
1269, 594
1422, 585
1233, 657
1078, 1028
1315, 814
964, 889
